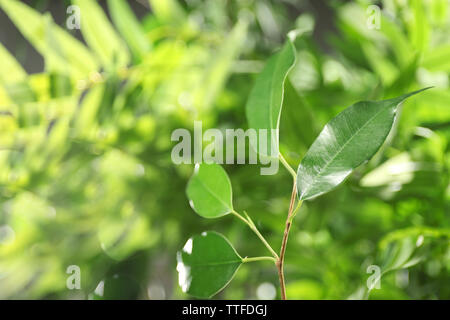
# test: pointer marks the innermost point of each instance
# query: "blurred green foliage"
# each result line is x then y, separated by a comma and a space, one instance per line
86, 176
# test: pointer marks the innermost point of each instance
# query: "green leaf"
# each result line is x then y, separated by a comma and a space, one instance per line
264, 104
100, 35
60, 85
206, 264
11, 71
419, 26
129, 27
398, 40
299, 125
218, 69
402, 253
209, 191
168, 11
20, 92
348, 140
437, 59
68, 54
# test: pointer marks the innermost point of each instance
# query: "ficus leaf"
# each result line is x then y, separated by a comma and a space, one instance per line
348, 140
209, 191
206, 264
264, 104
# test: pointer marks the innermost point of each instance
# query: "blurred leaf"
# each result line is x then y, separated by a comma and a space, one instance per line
298, 123
129, 27
117, 287
413, 232
398, 169
11, 70
433, 108
383, 67
122, 236
218, 69
403, 81
60, 85
20, 92
440, 11
168, 11
86, 120
72, 55
304, 290
398, 254
437, 59
101, 36
419, 26
397, 39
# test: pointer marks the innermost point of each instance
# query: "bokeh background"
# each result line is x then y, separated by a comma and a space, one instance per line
86, 176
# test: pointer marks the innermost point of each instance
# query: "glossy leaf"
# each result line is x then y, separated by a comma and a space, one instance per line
264, 104
206, 264
209, 191
348, 140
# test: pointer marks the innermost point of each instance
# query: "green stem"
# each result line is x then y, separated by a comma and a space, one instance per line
294, 213
252, 226
280, 261
246, 259
287, 166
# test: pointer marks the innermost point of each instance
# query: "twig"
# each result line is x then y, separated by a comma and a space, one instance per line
253, 227
280, 261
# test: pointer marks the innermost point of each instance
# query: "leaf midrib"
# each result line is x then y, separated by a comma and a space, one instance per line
215, 263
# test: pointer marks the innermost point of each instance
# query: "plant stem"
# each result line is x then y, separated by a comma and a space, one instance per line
252, 226
246, 259
287, 166
294, 213
280, 261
